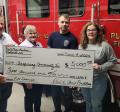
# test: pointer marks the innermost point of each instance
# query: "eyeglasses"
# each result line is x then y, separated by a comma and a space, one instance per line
32, 37
91, 30
66, 22
33, 34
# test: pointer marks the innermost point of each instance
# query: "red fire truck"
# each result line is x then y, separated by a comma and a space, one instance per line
44, 14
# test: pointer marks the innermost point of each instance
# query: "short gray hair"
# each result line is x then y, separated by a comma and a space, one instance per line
29, 29
65, 16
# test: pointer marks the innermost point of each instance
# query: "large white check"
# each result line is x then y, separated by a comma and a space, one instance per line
49, 66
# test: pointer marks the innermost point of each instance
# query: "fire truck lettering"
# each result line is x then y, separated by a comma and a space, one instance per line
114, 35
116, 43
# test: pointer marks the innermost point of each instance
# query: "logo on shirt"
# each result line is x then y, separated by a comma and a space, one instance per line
66, 43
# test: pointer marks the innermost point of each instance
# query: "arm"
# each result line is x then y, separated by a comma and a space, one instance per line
110, 59
49, 42
2, 78
9, 40
74, 44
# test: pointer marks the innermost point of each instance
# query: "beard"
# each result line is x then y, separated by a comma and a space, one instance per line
64, 29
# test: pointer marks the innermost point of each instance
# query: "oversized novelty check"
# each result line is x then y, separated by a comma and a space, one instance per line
49, 66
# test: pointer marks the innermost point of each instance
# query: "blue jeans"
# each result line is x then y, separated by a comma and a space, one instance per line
5, 92
95, 95
59, 93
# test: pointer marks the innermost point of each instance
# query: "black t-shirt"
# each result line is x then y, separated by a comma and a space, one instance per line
62, 41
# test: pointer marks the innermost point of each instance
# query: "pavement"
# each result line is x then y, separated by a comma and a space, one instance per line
16, 101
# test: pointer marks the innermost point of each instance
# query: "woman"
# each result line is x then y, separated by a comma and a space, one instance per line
104, 58
33, 92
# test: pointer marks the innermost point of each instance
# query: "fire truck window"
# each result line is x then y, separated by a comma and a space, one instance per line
72, 7
37, 8
114, 7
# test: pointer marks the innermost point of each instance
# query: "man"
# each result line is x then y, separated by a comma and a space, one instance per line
63, 39
5, 88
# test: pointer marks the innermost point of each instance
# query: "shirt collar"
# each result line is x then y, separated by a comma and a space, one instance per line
2, 37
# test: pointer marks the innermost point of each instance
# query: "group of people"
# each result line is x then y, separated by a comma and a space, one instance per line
90, 39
